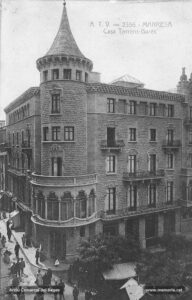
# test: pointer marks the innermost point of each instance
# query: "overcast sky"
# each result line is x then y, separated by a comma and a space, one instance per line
154, 57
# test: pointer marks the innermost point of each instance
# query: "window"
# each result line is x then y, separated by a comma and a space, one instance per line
55, 104
110, 137
81, 205
111, 164
143, 108
170, 110
82, 231
132, 164
122, 106
170, 136
17, 138
152, 194
170, 160
22, 137
13, 138
55, 133
91, 203
132, 134
67, 206
190, 112
190, 160
132, 197
67, 74
132, 107
68, 133
86, 77
78, 75
169, 191
152, 135
56, 166
111, 200
55, 74
110, 105
190, 136
45, 75
45, 133
52, 207
153, 109
152, 163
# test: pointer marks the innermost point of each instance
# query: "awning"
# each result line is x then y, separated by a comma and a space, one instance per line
120, 272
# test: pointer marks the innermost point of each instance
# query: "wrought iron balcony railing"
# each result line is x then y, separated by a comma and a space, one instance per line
143, 175
174, 144
116, 145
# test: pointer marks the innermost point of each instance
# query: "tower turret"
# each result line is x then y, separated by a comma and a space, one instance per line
183, 84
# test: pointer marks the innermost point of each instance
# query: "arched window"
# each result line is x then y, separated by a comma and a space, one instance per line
34, 201
41, 204
81, 205
52, 207
91, 203
67, 207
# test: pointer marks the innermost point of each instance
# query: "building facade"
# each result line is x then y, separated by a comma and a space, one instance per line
86, 157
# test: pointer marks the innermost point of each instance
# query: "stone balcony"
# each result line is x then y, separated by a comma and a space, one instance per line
139, 210
63, 181
143, 175
17, 171
187, 122
26, 147
185, 203
171, 145
115, 146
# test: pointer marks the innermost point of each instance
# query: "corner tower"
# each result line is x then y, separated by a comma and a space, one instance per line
64, 70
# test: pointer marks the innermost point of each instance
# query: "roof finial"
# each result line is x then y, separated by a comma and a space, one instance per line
64, 2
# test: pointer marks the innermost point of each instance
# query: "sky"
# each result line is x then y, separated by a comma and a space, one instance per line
150, 41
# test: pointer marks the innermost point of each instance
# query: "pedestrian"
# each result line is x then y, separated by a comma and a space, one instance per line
39, 296
37, 254
49, 276
39, 278
88, 295
45, 280
15, 281
3, 241
57, 263
8, 223
75, 292
62, 289
56, 287
9, 233
24, 240
17, 268
69, 273
17, 247
22, 266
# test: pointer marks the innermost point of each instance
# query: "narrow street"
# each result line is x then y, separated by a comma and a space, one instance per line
30, 270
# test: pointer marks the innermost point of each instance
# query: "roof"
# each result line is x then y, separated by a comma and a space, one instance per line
120, 272
127, 78
132, 92
64, 42
28, 94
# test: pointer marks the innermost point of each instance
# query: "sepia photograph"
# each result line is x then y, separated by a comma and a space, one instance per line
95, 150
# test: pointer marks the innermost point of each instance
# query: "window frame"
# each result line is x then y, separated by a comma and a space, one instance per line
56, 133
153, 109
69, 133
67, 74
132, 107
170, 110
111, 164
110, 105
55, 103
111, 200
55, 74
153, 135
132, 134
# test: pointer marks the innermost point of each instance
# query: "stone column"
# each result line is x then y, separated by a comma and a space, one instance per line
122, 228
142, 232
160, 225
45, 209
59, 210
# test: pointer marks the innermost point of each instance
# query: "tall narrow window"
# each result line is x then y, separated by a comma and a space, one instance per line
55, 133
170, 191
132, 134
111, 200
110, 105
152, 195
78, 75
153, 109
17, 138
190, 113
152, 135
170, 160
56, 166
45, 75
86, 77
67, 74
190, 160
132, 197
55, 74
190, 136
45, 133
110, 137
122, 106
13, 138
170, 136
132, 107
132, 164
55, 104
152, 163
111, 164
68, 133
170, 110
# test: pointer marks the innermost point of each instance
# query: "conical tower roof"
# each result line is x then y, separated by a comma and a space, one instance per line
64, 42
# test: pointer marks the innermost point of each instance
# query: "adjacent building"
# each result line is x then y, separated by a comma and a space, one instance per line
86, 157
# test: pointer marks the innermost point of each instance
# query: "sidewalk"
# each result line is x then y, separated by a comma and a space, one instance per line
31, 268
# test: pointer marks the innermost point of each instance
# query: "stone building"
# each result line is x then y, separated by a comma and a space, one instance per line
86, 157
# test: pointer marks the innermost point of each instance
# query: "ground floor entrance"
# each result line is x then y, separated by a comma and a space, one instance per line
57, 245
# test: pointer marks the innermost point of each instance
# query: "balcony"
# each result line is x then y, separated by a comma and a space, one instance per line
17, 171
143, 175
63, 181
26, 147
185, 203
8, 147
139, 210
187, 122
171, 145
115, 146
